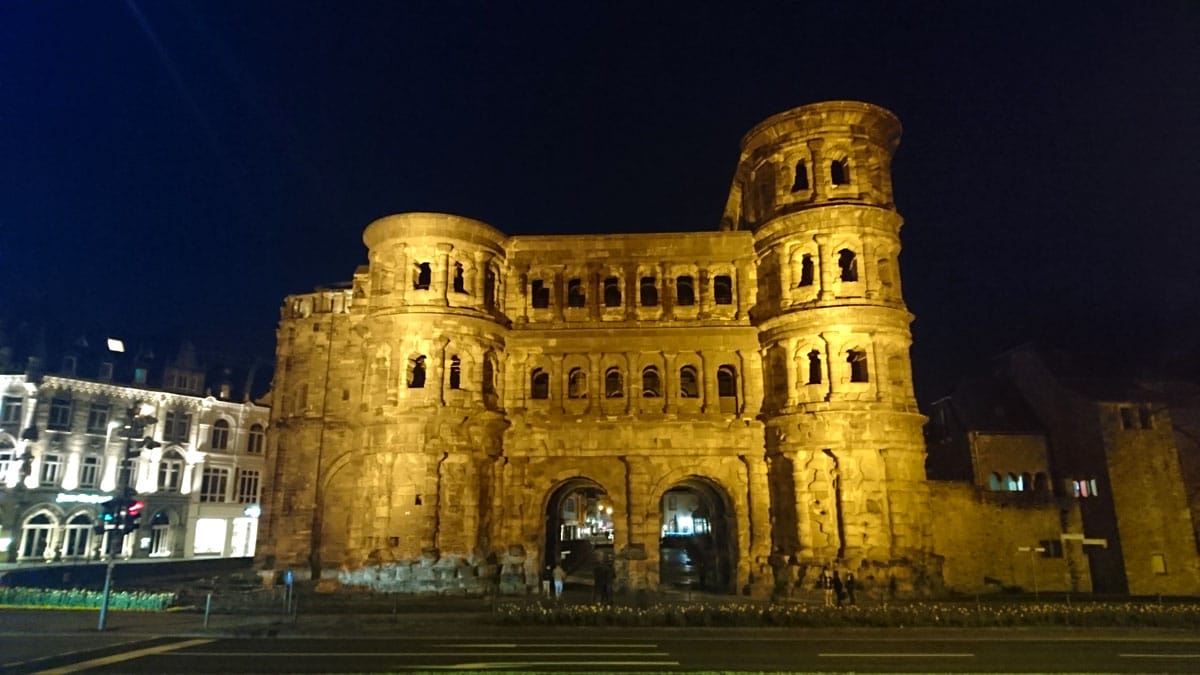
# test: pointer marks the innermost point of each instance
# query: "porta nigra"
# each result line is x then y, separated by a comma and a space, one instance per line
473, 406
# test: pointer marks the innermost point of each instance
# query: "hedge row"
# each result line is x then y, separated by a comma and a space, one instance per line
81, 599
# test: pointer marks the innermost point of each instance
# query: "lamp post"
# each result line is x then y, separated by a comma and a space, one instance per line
121, 513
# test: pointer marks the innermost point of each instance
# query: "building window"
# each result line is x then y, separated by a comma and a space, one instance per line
857, 358
160, 535
577, 383
651, 384
51, 471
489, 290
422, 273
97, 421
170, 471
89, 471
723, 289
256, 440
800, 182
727, 388
214, 484
10, 410
539, 294
35, 535
139, 375
995, 482
576, 297
416, 372
689, 383
649, 288
839, 172
539, 384
460, 282
177, 425
489, 375
815, 368
247, 487
7, 460
848, 264
612, 292
220, 435
1083, 489
455, 373
60, 414
613, 386
1015, 483
1128, 418
685, 292
806, 271
77, 536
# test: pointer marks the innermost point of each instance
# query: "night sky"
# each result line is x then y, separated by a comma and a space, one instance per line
179, 167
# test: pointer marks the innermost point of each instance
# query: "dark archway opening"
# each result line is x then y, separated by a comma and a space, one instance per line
579, 527
698, 548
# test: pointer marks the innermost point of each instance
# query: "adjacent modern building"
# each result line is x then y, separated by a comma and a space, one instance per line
64, 438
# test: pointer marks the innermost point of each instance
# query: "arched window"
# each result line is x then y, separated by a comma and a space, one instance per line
651, 385
539, 294
685, 293
649, 292
575, 295
723, 289
35, 535
1026, 482
995, 483
857, 358
800, 182
539, 384
612, 292
160, 535
489, 290
1014, 483
806, 271
256, 439
422, 273
779, 375
577, 386
220, 435
170, 471
416, 372
815, 368
460, 283
689, 383
614, 387
77, 536
839, 172
455, 373
489, 375
848, 264
727, 388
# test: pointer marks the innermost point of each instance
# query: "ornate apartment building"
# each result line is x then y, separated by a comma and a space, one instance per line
63, 445
473, 405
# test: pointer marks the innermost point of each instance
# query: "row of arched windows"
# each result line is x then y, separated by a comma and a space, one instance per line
611, 295
1014, 482
45, 537
688, 383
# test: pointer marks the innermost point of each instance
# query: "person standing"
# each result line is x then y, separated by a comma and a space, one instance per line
547, 577
825, 582
560, 576
837, 588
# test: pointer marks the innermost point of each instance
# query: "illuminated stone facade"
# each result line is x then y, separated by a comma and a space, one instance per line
431, 416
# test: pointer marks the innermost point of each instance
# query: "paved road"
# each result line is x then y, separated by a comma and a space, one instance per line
149, 644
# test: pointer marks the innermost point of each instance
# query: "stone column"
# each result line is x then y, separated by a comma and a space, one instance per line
440, 286
741, 277
476, 281
704, 293
820, 172
825, 267
669, 378
632, 292
403, 280
761, 579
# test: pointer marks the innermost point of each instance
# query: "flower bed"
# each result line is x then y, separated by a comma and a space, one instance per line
914, 614
81, 599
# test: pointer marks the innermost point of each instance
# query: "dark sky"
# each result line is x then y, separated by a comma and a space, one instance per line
182, 166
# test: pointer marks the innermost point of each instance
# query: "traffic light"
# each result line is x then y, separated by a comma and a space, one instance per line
120, 513
108, 516
133, 515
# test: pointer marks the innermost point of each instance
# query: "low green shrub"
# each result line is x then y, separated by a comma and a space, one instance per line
80, 599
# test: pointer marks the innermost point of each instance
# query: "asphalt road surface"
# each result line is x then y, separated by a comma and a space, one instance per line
565, 650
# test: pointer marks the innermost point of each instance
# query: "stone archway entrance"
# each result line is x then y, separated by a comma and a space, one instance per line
579, 526
698, 545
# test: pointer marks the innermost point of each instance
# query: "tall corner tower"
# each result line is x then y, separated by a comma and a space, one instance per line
843, 432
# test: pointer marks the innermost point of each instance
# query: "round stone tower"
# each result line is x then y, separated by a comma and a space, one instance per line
843, 431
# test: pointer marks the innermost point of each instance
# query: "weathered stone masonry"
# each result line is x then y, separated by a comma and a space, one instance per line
426, 413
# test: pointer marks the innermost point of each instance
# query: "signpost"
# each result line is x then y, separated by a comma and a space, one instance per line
1032, 567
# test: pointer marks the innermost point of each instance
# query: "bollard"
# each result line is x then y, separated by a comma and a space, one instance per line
207, 609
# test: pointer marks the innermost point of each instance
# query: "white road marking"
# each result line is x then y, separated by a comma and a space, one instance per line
510, 665
123, 656
1160, 656
331, 654
893, 655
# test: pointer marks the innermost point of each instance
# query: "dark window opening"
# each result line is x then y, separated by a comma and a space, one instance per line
455, 373
857, 359
539, 384
489, 290
806, 271
649, 294
460, 283
689, 384
416, 372
489, 377
575, 294
723, 289
613, 387
839, 172
801, 181
577, 384
726, 381
814, 367
539, 294
1128, 419
685, 293
424, 274
612, 292
848, 263
651, 386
